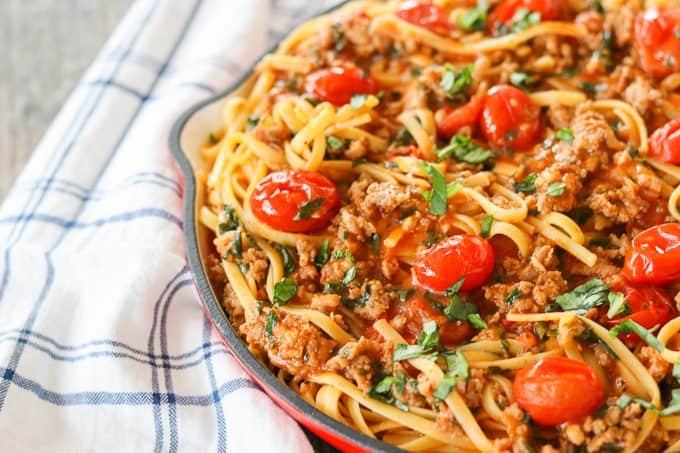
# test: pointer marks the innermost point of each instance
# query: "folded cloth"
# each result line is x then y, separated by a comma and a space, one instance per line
104, 345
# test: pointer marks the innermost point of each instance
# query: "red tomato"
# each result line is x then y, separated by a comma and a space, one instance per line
337, 85
665, 141
426, 15
417, 311
506, 10
654, 255
556, 389
657, 42
465, 115
465, 255
277, 200
650, 307
510, 119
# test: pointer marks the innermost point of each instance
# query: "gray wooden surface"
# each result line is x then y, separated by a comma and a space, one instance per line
45, 46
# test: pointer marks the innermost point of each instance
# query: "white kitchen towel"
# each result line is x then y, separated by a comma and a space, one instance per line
104, 345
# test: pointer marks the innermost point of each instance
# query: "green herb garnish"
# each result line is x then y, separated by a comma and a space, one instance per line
463, 150
438, 197
323, 254
307, 209
556, 189
454, 82
486, 226
527, 186
284, 291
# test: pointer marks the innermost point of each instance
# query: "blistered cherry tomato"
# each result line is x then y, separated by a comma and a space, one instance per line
295, 201
665, 141
337, 85
654, 255
555, 390
650, 307
416, 311
426, 15
457, 118
510, 119
442, 265
504, 13
657, 41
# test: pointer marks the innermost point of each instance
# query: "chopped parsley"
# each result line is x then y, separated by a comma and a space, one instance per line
323, 254
438, 196
474, 18
556, 189
564, 135
455, 82
284, 291
462, 149
288, 260
617, 305
486, 226
334, 142
350, 274
358, 100
630, 326
513, 296
307, 209
591, 294
521, 80
526, 186
523, 19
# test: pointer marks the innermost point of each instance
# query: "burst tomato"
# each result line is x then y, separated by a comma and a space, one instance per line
555, 390
665, 141
295, 201
510, 119
426, 15
465, 115
504, 13
337, 85
416, 311
649, 306
466, 255
654, 256
657, 40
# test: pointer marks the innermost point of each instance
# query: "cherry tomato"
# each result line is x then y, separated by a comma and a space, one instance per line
337, 85
654, 255
556, 389
510, 119
650, 307
657, 42
465, 115
426, 15
417, 311
505, 12
665, 141
295, 201
465, 255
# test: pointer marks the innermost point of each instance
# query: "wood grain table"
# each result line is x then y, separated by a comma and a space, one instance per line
46, 45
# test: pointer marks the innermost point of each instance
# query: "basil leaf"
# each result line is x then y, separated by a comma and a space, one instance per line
350, 274
232, 221
617, 305
252, 121
386, 383
271, 320
630, 326
476, 321
459, 310
358, 100
556, 189
457, 364
307, 209
409, 351
446, 385
512, 297
323, 255
284, 291
625, 399
455, 288
474, 18
402, 294
453, 83
486, 226
674, 405
463, 150
375, 242
521, 80
288, 260
523, 19
437, 200
403, 137
526, 186
237, 244
591, 294
429, 337
565, 135
335, 142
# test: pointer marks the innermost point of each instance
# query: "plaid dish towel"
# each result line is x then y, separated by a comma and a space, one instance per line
104, 345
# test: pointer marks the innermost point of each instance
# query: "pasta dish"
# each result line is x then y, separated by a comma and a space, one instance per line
455, 226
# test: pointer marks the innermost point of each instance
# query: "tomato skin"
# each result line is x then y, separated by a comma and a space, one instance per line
426, 15
465, 115
654, 256
417, 311
442, 265
665, 141
557, 389
278, 197
650, 307
657, 45
505, 11
337, 85
510, 119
